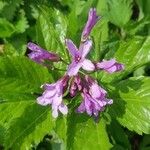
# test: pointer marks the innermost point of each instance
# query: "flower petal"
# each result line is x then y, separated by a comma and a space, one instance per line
85, 48
92, 20
81, 108
97, 92
73, 68
63, 109
72, 48
44, 101
39, 54
106, 64
55, 111
88, 65
34, 47
110, 66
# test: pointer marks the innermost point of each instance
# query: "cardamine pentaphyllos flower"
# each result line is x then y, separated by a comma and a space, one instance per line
94, 98
75, 86
78, 57
53, 96
110, 66
39, 55
92, 20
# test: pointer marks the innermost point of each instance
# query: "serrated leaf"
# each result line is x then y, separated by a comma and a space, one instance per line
16, 45
22, 68
119, 138
133, 53
132, 104
29, 128
133, 28
83, 133
12, 6
119, 12
6, 28
23, 123
22, 23
51, 30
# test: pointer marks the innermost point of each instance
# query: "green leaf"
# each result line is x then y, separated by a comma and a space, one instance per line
15, 45
12, 6
83, 133
23, 123
51, 31
132, 104
138, 27
119, 12
144, 7
133, 53
29, 127
6, 28
145, 143
119, 138
22, 23
99, 34
22, 68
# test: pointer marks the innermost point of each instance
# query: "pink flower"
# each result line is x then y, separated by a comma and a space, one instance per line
39, 55
94, 98
92, 20
110, 66
76, 85
53, 96
78, 57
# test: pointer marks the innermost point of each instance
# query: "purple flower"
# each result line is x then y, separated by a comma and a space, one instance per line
110, 66
53, 96
92, 20
39, 55
78, 57
75, 86
94, 98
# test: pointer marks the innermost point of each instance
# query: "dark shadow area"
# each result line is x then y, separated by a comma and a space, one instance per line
136, 11
45, 144
2, 136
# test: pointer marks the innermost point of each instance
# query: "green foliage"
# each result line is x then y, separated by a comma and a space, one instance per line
51, 30
133, 53
6, 28
119, 12
83, 133
21, 118
123, 33
131, 104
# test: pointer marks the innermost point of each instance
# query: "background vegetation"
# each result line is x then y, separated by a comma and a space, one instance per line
123, 33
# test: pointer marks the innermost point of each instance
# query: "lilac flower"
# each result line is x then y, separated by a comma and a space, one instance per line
78, 57
94, 98
53, 96
110, 66
92, 20
39, 55
76, 85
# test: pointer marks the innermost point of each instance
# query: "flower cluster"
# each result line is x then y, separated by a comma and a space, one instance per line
94, 96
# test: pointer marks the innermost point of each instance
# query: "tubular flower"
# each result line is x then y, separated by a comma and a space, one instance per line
39, 55
94, 98
78, 57
110, 66
92, 20
75, 86
53, 96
